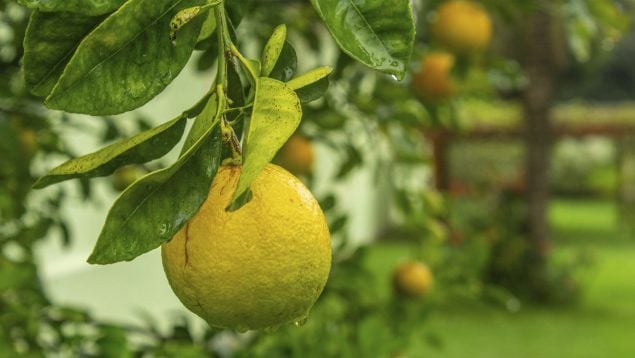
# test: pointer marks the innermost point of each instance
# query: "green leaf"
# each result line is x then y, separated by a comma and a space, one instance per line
208, 29
338, 224
184, 16
272, 50
275, 117
235, 88
199, 106
49, 43
378, 33
311, 85
143, 147
328, 202
309, 77
153, 209
254, 66
235, 11
84, 7
286, 65
251, 68
203, 122
127, 60
207, 58
313, 91
354, 159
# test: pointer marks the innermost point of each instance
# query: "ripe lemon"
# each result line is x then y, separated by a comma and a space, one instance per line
413, 279
261, 266
433, 82
297, 155
462, 26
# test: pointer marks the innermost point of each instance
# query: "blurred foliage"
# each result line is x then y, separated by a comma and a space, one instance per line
607, 78
29, 135
585, 167
488, 234
626, 174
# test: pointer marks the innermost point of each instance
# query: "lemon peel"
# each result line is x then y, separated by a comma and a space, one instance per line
259, 267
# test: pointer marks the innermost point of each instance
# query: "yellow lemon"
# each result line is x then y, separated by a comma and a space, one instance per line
413, 279
261, 266
462, 26
297, 155
433, 81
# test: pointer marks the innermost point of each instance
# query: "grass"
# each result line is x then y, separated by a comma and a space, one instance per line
601, 325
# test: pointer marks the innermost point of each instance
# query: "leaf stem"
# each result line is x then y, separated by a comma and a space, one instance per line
223, 45
227, 132
229, 137
238, 118
234, 51
241, 109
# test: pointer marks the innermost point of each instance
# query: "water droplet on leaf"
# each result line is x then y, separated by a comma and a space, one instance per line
301, 322
163, 229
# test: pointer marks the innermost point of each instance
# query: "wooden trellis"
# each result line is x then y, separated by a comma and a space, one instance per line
622, 133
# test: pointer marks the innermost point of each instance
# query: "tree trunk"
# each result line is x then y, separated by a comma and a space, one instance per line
441, 160
541, 69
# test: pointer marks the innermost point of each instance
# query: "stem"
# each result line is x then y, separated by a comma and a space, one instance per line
229, 137
234, 51
241, 109
227, 48
220, 94
212, 4
223, 45
240, 116
227, 132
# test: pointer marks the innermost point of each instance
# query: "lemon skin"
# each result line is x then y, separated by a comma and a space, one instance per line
261, 266
433, 81
297, 155
413, 279
462, 26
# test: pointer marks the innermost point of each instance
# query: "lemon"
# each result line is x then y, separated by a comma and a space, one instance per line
412, 278
27, 138
462, 26
261, 266
433, 81
297, 155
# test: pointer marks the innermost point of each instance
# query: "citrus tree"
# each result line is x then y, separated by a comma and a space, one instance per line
221, 212
106, 58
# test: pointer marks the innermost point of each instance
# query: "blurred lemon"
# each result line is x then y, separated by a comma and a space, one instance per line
297, 155
412, 278
27, 138
462, 26
261, 266
433, 81
125, 176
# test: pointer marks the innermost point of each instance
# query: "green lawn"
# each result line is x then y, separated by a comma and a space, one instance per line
601, 325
